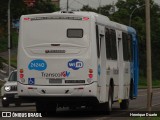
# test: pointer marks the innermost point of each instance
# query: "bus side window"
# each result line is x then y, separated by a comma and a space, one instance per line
97, 40
108, 44
125, 46
113, 44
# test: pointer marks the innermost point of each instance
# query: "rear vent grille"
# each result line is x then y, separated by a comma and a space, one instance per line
55, 51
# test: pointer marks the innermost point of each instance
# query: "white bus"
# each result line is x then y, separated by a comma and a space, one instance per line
76, 59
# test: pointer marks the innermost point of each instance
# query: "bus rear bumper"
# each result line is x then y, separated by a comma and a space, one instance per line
89, 90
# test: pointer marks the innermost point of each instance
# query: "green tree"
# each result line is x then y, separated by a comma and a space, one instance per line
104, 10
88, 8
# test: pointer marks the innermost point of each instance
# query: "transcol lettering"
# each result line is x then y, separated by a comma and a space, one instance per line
55, 75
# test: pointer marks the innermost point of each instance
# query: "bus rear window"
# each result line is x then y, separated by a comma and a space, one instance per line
74, 33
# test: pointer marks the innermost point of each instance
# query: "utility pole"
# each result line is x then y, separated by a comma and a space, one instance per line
99, 6
67, 5
148, 47
9, 37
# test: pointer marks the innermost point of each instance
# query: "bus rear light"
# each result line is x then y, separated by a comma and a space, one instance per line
21, 70
90, 70
90, 75
31, 88
21, 76
22, 80
89, 80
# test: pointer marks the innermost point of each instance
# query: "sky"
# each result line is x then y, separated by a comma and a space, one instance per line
78, 4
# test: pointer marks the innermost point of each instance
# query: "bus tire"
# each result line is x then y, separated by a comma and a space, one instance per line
131, 90
110, 101
124, 104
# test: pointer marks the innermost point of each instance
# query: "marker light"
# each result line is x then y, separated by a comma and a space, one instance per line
27, 19
85, 18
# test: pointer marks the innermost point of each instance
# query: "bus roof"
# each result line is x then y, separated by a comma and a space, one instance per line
98, 18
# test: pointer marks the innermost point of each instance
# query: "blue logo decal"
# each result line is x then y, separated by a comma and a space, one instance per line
38, 64
75, 64
65, 74
31, 81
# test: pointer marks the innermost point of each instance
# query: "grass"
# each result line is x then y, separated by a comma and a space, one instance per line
4, 42
143, 83
13, 61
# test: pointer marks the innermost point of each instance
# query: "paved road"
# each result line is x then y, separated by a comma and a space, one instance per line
82, 114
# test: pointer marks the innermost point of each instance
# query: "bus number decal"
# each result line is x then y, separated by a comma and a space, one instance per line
38, 65
75, 64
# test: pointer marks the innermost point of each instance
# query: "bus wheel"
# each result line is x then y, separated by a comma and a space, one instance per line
124, 104
110, 101
131, 90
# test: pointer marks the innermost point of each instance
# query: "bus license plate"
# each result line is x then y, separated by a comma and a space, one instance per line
55, 81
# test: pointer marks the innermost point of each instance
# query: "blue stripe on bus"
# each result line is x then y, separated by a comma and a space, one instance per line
135, 63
